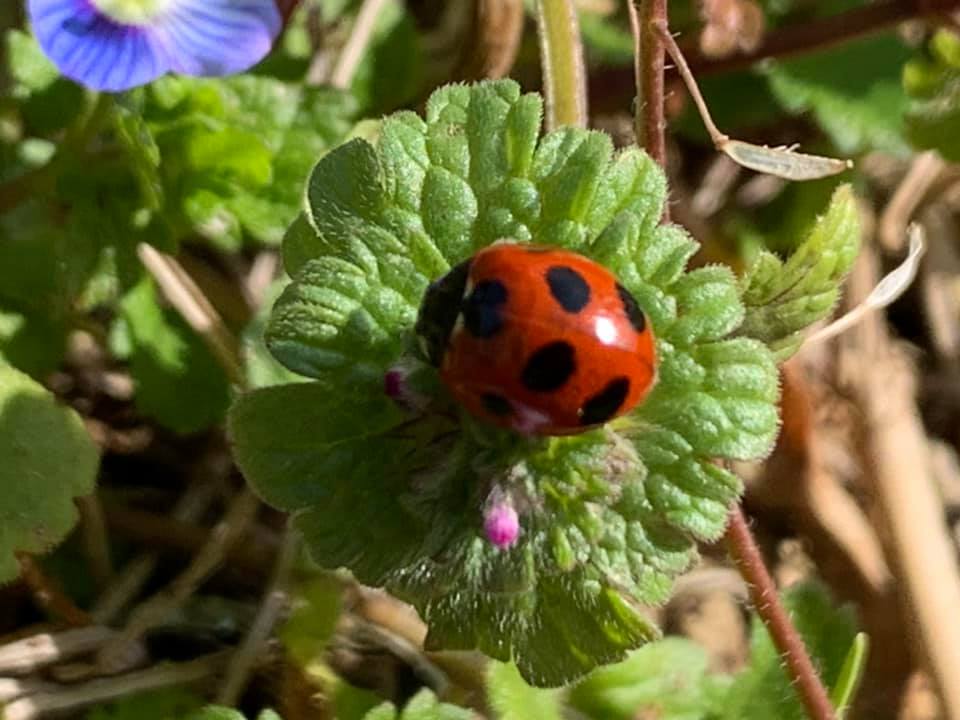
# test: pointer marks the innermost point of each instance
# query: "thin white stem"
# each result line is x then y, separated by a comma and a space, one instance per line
188, 299
360, 34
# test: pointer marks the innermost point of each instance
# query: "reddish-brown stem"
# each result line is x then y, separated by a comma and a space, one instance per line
48, 594
763, 592
824, 32
649, 55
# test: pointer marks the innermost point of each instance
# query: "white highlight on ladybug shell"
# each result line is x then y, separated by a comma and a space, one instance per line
605, 330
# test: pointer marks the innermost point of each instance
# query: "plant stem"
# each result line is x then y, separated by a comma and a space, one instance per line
360, 35
649, 55
612, 84
48, 595
561, 57
188, 299
763, 592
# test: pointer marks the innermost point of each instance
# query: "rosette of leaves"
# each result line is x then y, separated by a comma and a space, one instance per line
608, 517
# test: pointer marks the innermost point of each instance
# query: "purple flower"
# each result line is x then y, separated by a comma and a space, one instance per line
501, 524
115, 45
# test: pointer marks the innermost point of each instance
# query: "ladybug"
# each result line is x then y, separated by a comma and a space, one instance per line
537, 339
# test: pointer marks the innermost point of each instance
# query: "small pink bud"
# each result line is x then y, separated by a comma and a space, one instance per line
501, 525
393, 384
396, 386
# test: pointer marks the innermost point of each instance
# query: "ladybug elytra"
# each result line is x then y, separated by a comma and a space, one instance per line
540, 340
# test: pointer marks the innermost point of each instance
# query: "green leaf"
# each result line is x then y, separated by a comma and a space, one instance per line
784, 298
216, 712
308, 630
933, 120
137, 139
236, 152
851, 673
33, 344
48, 461
423, 706
47, 101
852, 90
29, 67
512, 699
290, 461
178, 381
609, 517
392, 68
666, 679
168, 704
261, 367
764, 690
44, 262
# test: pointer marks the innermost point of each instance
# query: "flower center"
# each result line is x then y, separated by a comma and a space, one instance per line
131, 12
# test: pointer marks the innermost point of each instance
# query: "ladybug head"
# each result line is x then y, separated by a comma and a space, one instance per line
439, 310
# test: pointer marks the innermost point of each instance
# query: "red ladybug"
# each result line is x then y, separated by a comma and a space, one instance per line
540, 340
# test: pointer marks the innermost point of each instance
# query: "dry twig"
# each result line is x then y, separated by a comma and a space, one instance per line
184, 294
923, 173
352, 53
274, 600
132, 578
73, 697
23, 657
920, 542
241, 512
96, 543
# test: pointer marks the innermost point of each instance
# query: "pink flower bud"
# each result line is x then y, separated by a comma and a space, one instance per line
501, 525
393, 384
397, 387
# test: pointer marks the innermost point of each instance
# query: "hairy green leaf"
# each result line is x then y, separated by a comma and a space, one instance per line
609, 517
512, 699
665, 679
784, 298
48, 461
764, 690
236, 151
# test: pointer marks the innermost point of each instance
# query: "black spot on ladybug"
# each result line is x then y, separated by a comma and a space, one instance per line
496, 404
549, 367
634, 313
482, 312
439, 310
568, 288
604, 405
